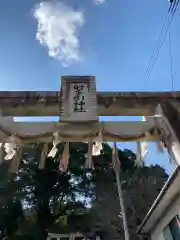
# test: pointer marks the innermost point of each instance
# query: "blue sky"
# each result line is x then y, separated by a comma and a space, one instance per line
112, 39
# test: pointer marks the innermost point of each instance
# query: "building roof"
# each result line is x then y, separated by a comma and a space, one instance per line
168, 193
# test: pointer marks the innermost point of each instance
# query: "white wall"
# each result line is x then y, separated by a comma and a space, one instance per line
171, 212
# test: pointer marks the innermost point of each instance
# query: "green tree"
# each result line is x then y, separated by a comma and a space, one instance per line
49, 194
81, 199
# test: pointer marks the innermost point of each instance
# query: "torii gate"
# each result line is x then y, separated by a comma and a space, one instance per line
79, 107
163, 126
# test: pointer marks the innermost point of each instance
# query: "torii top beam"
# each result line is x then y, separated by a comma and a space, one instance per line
33, 103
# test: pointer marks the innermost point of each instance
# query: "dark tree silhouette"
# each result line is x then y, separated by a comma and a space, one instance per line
83, 200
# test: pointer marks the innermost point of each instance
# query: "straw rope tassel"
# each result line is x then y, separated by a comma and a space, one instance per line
160, 148
89, 162
1, 153
144, 149
44, 154
64, 161
16, 160
144, 146
139, 160
159, 144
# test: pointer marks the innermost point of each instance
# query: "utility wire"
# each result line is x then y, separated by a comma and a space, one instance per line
172, 5
171, 61
166, 25
158, 50
158, 42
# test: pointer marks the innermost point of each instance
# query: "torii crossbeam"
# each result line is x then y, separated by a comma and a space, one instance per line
83, 124
40, 103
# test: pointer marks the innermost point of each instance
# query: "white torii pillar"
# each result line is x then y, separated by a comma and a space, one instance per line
168, 124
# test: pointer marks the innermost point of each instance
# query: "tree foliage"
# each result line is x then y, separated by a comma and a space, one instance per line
82, 200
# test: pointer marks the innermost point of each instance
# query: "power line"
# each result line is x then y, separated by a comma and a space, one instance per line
160, 37
171, 61
158, 50
172, 5
166, 25
157, 45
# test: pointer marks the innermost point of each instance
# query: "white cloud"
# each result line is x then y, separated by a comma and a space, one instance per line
98, 2
58, 29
